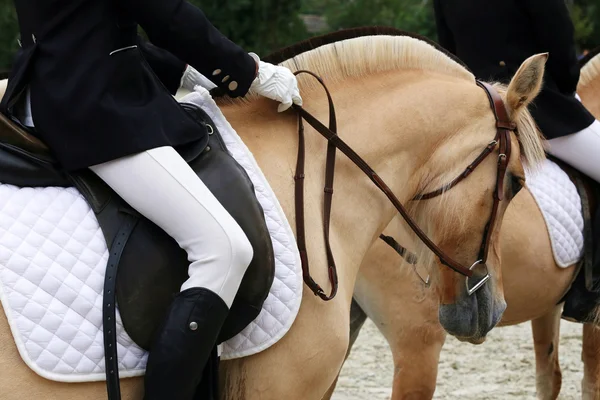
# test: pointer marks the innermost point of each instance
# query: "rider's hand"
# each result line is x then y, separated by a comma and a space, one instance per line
276, 83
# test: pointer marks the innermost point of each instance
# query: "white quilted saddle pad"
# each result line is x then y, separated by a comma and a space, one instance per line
52, 262
560, 204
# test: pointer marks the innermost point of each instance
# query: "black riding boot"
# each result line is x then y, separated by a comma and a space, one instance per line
184, 344
580, 301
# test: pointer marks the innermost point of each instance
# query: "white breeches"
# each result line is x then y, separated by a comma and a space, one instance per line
160, 185
580, 150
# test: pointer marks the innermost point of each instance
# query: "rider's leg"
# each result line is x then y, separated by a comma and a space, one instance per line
582, 151
161, 186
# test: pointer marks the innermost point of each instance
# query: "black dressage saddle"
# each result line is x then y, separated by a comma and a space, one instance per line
151, 266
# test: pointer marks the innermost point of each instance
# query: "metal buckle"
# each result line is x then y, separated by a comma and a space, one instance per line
426, 281
481, 282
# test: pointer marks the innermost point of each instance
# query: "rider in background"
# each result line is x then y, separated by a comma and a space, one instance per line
493, 38
81, 80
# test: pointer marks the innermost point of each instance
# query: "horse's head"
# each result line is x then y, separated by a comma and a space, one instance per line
464, 219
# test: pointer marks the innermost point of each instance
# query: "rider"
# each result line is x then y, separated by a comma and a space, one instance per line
493, 38
81, 80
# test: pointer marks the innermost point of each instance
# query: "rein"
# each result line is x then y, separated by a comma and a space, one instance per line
503, 125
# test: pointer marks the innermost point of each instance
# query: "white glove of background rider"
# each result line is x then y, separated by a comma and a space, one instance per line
276, 83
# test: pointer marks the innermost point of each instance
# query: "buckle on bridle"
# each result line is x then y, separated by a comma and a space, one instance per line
426, 281
481, 282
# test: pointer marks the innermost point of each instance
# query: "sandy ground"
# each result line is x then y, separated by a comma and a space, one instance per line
502, 368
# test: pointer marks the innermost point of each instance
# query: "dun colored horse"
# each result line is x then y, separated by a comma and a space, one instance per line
419, 119
407, 313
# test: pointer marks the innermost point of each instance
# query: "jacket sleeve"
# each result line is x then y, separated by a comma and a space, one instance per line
168, 68
554, 32
445, 37
184, 30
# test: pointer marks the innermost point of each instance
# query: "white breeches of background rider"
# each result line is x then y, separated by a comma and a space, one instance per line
160, 185
580, 150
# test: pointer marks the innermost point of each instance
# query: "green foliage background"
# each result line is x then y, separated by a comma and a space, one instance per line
266, 25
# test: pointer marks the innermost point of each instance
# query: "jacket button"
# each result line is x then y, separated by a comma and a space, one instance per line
502, 64
193, 326
217, 72
225, 79
233, 85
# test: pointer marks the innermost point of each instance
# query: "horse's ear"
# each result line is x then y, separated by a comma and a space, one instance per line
526, 84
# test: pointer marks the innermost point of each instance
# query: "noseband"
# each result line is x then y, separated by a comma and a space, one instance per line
502, 139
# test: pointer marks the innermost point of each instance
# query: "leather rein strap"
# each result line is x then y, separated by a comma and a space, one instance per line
327, 200
504, 127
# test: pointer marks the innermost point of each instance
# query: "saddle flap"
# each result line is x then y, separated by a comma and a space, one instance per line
15, 135
153, 267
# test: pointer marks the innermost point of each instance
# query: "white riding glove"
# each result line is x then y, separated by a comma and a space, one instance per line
191, 78
276, 83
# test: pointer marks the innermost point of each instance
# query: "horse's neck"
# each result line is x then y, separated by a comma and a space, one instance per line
360, 210
3, 85
590, 96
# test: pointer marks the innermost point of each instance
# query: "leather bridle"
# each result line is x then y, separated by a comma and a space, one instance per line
502, 139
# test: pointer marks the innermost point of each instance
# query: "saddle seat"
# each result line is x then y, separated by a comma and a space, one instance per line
152, 266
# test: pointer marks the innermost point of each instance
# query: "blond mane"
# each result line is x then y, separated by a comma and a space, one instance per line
590, 71
367, 55
372, 54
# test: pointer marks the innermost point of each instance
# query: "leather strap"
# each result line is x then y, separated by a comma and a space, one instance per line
380, 183
327, 202
503, 125
109, 325
486, 152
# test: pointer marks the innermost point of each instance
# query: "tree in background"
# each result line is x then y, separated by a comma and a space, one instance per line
417, 16
586, 18
8, 33
263, 26
409, 15
257, 25
260, 26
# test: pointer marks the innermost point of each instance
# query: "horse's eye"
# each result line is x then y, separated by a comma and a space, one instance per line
516, 184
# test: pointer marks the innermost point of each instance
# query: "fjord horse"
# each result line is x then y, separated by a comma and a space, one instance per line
406, 313
418, 117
